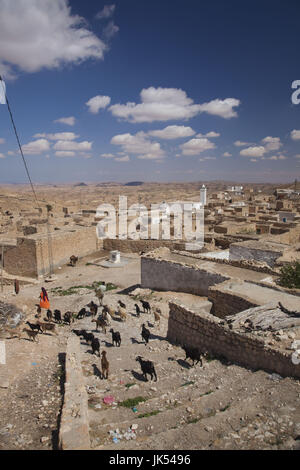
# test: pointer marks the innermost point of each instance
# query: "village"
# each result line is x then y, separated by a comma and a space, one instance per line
224, 329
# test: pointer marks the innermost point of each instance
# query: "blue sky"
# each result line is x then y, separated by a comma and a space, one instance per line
152, 91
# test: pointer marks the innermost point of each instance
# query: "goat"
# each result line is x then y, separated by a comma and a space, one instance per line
93, 308
87, 336
48, 327
32, 334
73, 260
192, 353
145, 334
156, 316
100, 323
81, 313
122, 313
95, 345
77, 332
121, 304
68, 317
106, 317
49, 315
116, 337
146, 306
104, 365
137, 309
34, 327
109, 310
38, 311
57, 316
147, 368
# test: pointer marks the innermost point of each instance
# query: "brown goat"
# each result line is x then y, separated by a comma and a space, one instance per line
47, 327
32, 334
104, 365
100, 323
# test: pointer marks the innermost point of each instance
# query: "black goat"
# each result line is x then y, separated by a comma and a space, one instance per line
96, 345
146, 306
137, 309
49, 315
192, 353
116, 337
147, 368
121, 304
34, 327
81, 313
145, 334
57, 316
77, 332
87, 336
68, 317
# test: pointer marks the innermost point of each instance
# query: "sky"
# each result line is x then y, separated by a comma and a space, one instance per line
155, 91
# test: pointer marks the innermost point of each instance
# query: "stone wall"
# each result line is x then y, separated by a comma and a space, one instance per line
74, 425
167, 275
238, 251
203, 331
32, 254
227, 303
136, 246
21, 259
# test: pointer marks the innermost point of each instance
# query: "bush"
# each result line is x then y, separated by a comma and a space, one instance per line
290, 275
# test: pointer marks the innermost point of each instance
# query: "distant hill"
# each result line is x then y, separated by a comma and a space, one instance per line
134, 183
80, 184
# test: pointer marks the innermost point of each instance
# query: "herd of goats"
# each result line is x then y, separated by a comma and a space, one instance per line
103, 321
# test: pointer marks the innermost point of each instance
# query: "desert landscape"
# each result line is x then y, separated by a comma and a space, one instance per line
222, 304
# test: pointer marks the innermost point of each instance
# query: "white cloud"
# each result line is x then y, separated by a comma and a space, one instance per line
138, 144
122, 159
271, 143
38, 34
277, 157
98, 102
107, 155
196, 146
173, 132
69, 121
222, 108
71, 146
239, 143
2, 141
10, 152
110, 30
297, 156
210, 135
258, 151
65, 154
227, 154
164, 104
58, 136
107, 12
295, 135
2, 155
206, 158
36, 147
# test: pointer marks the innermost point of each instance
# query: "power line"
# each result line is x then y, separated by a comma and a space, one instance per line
30, 181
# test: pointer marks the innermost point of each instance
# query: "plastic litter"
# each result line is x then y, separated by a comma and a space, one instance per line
109, 399
134, 409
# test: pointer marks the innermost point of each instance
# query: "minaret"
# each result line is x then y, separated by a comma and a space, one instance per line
203, 195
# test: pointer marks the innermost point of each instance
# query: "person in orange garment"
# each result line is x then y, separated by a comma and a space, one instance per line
44, 302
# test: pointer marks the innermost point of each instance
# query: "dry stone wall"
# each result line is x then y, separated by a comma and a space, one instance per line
167, 275
205, 332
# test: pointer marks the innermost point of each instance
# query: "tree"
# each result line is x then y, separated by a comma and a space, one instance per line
290, 275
